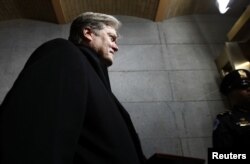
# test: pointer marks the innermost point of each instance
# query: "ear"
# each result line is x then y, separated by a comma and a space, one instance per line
87, 33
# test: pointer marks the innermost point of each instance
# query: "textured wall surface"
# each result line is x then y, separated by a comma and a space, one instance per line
164, 74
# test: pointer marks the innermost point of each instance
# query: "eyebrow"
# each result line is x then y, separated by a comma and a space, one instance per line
113, 35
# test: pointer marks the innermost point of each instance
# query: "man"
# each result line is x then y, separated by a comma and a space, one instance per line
61, 108
232, 128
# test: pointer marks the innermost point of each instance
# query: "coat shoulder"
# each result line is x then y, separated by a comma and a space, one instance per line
57, 49
224, 114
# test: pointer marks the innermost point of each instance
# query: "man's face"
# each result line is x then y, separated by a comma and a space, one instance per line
242, 96
104, 42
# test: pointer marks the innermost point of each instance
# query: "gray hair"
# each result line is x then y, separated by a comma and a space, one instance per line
95, 21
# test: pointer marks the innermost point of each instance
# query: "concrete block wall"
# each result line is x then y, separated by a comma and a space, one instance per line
166, 77
164, 74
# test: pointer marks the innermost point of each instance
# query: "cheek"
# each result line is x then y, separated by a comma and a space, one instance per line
105, 48
106, 45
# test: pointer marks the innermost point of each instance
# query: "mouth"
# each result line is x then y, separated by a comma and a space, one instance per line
112, 52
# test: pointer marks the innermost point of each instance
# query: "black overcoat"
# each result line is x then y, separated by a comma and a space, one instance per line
232, 130
61, 110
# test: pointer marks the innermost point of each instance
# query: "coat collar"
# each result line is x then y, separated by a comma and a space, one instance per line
100, 68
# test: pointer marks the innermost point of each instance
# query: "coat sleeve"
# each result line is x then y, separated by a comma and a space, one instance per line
42, 115
222, 135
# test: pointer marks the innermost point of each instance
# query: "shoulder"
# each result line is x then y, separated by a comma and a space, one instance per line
58, 44
55, 46
222, 118
56, 50
58, 40
226, 113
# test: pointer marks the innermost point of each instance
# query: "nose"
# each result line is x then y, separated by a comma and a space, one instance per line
115, 47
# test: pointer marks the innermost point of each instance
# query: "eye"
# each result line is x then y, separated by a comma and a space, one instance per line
112, 38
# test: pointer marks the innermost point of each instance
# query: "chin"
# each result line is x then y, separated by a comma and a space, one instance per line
108, 62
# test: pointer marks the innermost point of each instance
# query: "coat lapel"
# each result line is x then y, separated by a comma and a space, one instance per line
100, 68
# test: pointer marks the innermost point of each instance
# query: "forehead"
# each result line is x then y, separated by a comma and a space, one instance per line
110, 30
